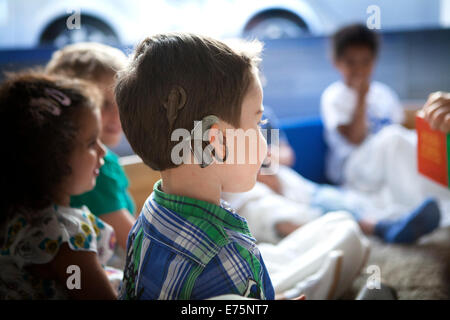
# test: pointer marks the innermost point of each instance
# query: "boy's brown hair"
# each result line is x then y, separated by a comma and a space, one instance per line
354, 35
175, 79
87, 60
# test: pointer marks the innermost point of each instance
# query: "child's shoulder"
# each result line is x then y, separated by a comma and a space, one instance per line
111, 164
379, 88
110, 156
31, 238
175, 229
36, 238
112, 174
207, 229
336, 85
197, 244
335, 90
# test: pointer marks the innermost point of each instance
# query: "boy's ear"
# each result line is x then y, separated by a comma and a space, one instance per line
216, 137
213, 132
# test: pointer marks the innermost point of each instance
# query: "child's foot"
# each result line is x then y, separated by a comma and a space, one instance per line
421, 221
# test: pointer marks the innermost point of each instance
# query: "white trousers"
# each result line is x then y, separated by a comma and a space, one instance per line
320, 259
383, 171
263, 208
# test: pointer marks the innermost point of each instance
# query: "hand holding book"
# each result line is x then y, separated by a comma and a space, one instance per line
433, 138
437, 111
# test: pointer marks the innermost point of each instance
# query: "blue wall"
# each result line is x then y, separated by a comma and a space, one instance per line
413, 63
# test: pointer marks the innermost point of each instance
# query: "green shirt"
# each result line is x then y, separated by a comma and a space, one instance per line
110, 192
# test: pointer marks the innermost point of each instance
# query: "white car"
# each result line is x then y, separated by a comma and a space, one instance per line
30, 23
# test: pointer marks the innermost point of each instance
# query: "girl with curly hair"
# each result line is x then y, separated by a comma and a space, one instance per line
51, 129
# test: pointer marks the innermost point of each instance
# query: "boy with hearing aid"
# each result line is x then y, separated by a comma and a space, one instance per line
186, 243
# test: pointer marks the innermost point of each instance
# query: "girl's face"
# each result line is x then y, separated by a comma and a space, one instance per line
111, 131
87, 158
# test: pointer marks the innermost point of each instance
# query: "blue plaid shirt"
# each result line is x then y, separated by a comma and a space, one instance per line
183, 248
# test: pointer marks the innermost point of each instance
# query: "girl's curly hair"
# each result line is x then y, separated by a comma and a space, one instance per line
39, 119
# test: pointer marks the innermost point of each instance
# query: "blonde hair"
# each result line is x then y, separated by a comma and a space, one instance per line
87, 60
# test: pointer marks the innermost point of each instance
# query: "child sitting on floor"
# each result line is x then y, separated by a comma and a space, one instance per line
272, 213
357, 112
355, 107
186, 243
53, 152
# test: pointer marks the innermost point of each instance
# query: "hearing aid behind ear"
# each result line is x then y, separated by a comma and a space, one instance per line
201, 153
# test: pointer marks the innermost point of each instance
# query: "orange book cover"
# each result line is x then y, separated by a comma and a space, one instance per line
433, 152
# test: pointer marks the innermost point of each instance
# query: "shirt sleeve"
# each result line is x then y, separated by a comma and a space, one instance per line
38, 243
108, 196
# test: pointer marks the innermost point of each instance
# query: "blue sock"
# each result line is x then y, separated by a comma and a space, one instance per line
408, 229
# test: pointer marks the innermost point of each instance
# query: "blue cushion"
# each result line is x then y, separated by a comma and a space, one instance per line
306, 138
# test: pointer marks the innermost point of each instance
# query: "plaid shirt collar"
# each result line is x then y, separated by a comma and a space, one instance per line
223, 216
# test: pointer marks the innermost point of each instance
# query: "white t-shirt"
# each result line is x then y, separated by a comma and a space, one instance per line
338, 103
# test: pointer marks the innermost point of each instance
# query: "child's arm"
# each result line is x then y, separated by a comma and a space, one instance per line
355, 132
94, 282
122, 222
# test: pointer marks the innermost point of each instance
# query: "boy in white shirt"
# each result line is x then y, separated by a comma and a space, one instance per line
354, 110
355, 107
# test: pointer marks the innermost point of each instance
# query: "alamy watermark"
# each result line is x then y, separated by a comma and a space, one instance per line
74, 19
374, 280
74, 280
236, 146
374, 19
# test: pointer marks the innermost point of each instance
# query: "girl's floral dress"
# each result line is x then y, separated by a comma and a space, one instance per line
35, 239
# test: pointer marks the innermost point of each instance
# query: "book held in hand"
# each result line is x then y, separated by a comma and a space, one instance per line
433, 152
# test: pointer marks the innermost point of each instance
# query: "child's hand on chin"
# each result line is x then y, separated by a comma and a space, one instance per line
361, 86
